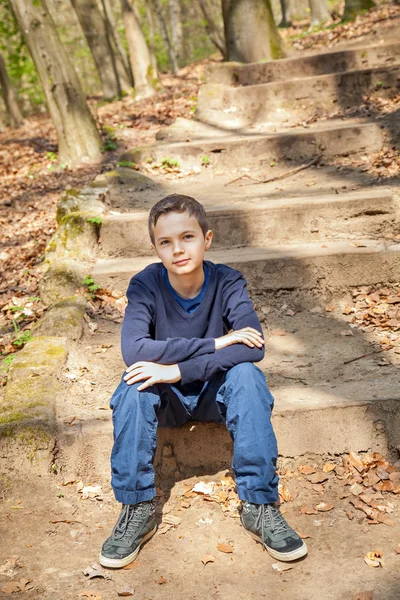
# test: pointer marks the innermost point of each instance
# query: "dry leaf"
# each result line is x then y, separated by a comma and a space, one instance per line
280, 567
161, 580
284, 493
317, 477
308, 510
203, 488
328, 467
207, 558
374, 558
90, 595
323, 507
363, 596
227, 548
398, 549
306, 469
126, 591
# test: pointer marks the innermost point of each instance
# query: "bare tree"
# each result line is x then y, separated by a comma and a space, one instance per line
121, 50
10, 99
286, 8
165, 35
250, 31
152, 45
78, 138
353, 7
175, 20
145, 76
95, 25
215, 33
319, 12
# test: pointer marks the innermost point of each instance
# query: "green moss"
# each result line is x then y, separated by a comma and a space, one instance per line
11, 417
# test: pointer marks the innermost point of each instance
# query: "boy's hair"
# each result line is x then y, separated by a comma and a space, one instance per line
177, 203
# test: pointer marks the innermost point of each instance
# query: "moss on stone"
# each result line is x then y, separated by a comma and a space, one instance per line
11, 417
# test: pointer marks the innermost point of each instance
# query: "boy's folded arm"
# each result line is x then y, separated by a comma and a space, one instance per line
137, 343
239, 313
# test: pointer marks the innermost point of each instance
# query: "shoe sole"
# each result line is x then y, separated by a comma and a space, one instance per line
283, 556
118, 563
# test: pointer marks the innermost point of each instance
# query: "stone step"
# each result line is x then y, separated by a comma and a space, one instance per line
268, 222
327, 140
312, 266
366, 57
316, 391
288, 101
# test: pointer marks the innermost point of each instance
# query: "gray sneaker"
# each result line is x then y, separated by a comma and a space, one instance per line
136, 524
265, 524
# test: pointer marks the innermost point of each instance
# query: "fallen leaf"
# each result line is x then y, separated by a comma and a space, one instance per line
284, 493
279, 567
203, 488
304, 536
356, 489
90, 595
10, 588
323, 507
374, 558
207, 558
126, 591
328, 467
317, 477
308, 510
306, 470
161, 580
397, 550
95, 570
363, 596
227, 548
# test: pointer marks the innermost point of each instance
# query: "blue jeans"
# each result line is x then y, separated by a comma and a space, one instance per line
240, 398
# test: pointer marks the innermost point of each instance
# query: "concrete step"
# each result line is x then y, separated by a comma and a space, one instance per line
268, 222
366, 57
327, 140
288, 101
313, 266
315, 393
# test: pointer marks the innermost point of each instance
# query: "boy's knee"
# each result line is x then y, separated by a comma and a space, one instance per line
246, 369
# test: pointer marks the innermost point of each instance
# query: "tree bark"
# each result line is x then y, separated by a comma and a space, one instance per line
175, 20
146, 78
9, 97
164, 32
113, 77
216, 36
286, 8
78, 138
319, 12
250, 31
121, 50
352, 8
152, 46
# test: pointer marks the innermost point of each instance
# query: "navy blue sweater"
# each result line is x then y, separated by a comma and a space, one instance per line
157, 329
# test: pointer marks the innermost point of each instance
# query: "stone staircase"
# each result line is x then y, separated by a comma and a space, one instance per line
303, 242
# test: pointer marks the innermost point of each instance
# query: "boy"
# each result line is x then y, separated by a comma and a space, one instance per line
184, 365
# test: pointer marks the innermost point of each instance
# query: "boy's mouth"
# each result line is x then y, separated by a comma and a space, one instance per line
181, 262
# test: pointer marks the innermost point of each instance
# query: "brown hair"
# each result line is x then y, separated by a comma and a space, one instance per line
177, 203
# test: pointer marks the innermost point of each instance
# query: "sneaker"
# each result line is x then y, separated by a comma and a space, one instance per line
265, 524
136, 524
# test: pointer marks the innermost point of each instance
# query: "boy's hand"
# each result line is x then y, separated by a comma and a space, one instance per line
153, 373
249, 336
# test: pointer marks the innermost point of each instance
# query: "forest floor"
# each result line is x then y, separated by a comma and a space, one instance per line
344, 507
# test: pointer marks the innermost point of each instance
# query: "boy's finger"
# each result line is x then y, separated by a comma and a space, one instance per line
136, 366
148, 383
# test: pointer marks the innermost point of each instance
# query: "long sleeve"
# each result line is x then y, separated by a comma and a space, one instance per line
239, 313
137, 343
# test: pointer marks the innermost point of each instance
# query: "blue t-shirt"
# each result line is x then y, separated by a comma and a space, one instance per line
189, 305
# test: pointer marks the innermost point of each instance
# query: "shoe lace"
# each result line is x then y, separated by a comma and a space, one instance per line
129, 520
269, 517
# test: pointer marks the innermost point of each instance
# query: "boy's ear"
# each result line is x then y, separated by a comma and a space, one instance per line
154, 249
208, 239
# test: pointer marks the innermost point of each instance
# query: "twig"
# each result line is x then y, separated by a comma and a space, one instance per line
312, 162
346, 362
241, 177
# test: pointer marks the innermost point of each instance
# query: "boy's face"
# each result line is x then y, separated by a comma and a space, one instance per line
179, 242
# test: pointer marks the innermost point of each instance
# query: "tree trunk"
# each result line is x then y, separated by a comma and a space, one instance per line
319, 12
250, 31
216, 36
175, 20
286, 8
352, 8
111, 70
9, 97
152, 46
78, 138
121, 50
146, 78
164, 32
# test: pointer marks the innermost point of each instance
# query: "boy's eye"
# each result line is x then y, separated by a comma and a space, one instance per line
188, 235
163, 242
